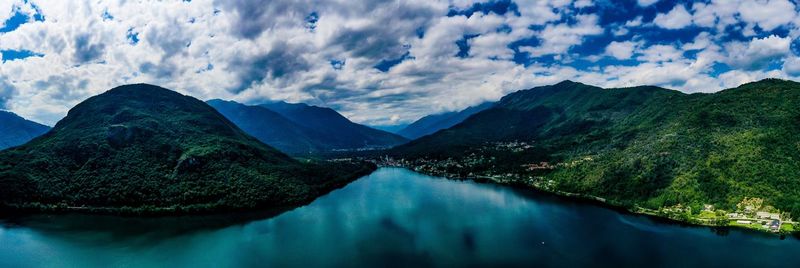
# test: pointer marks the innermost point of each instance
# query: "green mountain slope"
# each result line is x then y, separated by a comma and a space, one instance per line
142, 148
641, 146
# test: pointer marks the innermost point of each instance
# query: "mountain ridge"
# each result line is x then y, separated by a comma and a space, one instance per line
270, 127
337, 131
15, 130
431, 123
145, 149
639, 146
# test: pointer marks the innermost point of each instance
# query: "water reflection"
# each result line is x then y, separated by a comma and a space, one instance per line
396, 218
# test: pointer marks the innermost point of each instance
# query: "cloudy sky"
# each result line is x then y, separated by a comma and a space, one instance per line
383, 62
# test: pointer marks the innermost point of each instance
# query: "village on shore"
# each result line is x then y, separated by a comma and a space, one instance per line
750, 213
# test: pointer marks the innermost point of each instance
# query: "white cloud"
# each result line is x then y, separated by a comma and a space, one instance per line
251, 52
634, 22
559, 38
768, 14
621, 50
660, 53
704, 15
758, 53
645, 3
792, 66
583, 3
677, 18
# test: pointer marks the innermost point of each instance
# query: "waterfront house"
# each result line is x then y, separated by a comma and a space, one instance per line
767, 215
775, 225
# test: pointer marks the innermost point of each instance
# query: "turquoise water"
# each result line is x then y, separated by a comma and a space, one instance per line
392, 218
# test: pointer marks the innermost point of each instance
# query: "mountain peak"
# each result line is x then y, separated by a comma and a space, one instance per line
300, 129
566, 83
569, 84
138, 88
151, 149
16, 130
770, 81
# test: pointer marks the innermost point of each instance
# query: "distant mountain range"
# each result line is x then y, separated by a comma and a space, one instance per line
390, 128
639, 147
15, 130
270, 127
432, 123
340, 132
145, 149
301, 129
142, 148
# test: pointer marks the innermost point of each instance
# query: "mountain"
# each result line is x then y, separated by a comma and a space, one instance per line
432, 123
337, 132
145, 149
271, 128
638, 147
390, 128
15, 130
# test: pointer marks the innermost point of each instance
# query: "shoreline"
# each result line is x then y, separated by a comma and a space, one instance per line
178, 210
603, 202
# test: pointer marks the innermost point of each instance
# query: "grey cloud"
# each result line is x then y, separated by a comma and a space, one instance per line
396, 20
161, 70
280, 62
7, 90
63, 88
171, 40
85, 50
253, 16
383, 40
372, 42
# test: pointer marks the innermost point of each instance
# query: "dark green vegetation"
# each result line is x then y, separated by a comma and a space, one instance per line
641, 146
435, 122
146, 149
15, 130
337, 132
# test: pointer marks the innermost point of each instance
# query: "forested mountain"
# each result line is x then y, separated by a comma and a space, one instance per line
640, 146
429, 124
337, 132
15, 130
145, 149
272, 128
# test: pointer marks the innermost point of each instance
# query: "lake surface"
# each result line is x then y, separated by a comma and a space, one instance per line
392, 218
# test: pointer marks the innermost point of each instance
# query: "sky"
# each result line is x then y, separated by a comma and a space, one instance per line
383, 62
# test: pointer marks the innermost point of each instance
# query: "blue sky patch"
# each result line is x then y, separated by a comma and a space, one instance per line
9, 55
338, 64
14, 22
311, 21
387, 64
498, 7
463, 45
132, 36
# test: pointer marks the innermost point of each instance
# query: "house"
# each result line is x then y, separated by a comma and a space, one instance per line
767, 215
775, 225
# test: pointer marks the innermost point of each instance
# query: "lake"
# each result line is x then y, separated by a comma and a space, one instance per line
392, 218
